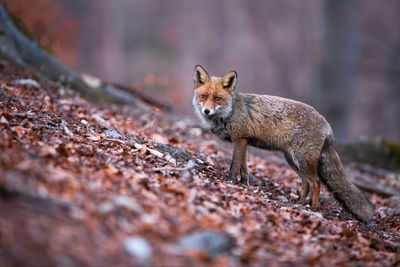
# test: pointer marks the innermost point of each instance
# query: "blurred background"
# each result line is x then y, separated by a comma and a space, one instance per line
340, 56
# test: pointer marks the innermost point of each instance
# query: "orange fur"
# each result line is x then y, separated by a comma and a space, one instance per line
276, 123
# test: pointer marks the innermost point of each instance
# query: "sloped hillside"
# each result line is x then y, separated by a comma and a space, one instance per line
90, 185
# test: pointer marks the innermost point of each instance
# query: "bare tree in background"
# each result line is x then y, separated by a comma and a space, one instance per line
340, 56
375, 106
338, 62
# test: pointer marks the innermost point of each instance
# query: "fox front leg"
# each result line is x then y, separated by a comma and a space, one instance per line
243, 169
237, 159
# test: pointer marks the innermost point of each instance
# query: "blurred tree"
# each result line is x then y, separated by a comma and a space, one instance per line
49, 24
350, 74
338, 63
376, 102
24, 53
18, 49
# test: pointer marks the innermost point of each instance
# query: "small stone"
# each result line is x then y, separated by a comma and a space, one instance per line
187, 175
211, 242
28, 83
139, 248
3, 120
312, 214
114, 134
120, 201
102, 122
127, 202
393, 202
106, 207
190, 164
283, 199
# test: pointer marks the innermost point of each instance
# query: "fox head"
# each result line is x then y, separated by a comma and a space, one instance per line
213, 95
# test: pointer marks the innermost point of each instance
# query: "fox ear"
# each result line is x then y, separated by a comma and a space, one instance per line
229, 81
200, 76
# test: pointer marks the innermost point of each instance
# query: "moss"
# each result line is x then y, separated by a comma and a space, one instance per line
21, 26
393, 149
376, 152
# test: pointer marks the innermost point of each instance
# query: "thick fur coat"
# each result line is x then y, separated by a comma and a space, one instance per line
271, 122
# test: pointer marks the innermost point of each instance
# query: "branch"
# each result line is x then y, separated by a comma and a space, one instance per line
369, 185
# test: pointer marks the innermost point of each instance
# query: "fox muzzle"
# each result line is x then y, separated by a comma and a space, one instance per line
208, 111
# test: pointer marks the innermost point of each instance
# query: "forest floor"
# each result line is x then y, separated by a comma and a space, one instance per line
92, 185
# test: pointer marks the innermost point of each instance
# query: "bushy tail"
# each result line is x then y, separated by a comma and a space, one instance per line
331, 173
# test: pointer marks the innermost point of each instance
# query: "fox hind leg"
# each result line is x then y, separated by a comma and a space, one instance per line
306, 167
316, 191
310, 185
305, 189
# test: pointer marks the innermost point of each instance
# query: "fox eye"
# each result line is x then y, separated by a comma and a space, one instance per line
203, 97
217, 98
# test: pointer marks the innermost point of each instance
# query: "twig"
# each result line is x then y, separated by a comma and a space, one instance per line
11, 123
157, 153
172, 169
67, 131
44, 126
373, 170
116, 141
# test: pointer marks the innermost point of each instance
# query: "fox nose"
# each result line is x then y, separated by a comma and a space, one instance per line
206, 111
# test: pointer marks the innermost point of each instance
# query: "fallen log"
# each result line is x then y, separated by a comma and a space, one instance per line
372, 186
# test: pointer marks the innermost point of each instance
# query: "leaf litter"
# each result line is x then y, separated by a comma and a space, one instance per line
93, 185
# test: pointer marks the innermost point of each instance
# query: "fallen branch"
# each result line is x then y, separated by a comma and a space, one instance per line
369, 185
171, 169
176, 153
172, 155
373, 170
157, 153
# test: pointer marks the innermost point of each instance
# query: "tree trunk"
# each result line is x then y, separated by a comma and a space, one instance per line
337, 66
17, 49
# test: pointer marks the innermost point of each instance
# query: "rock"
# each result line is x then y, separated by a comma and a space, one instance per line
283, 199
120, 201
212, 242
391, 207
139, 248
393, 202
67, 261
114, 134
313, 214
102, 122
28, 83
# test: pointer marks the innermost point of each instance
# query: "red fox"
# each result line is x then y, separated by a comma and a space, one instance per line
275, 123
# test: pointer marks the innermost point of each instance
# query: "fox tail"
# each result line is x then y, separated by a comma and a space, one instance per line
331, 173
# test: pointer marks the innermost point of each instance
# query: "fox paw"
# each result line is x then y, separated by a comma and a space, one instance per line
236, 179
304, 202
245, 179
248, 178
